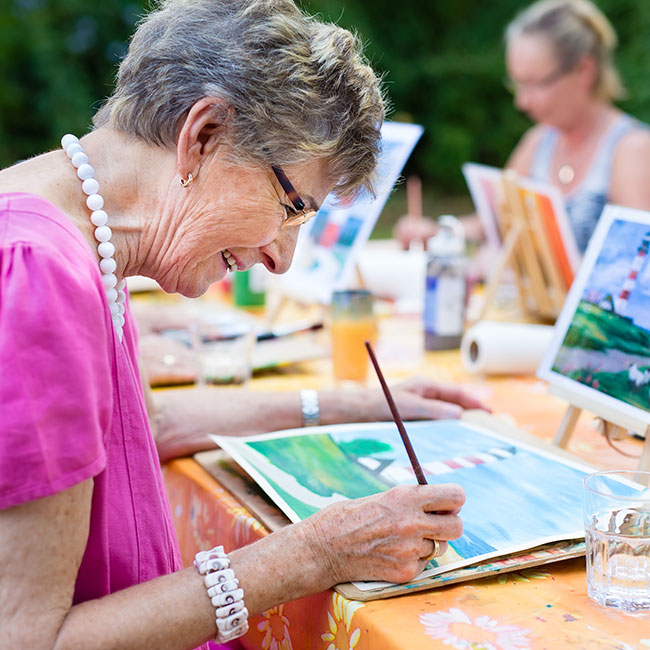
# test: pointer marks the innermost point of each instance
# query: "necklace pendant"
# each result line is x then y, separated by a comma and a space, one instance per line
565, 174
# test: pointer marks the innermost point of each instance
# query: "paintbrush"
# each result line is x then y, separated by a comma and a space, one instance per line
398, 420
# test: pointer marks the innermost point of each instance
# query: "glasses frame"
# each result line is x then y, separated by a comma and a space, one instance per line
514, 87
300, 216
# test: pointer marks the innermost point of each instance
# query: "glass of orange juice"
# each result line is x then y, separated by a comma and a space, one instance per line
353, 323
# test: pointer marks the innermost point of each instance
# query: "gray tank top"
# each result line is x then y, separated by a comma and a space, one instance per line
587, 201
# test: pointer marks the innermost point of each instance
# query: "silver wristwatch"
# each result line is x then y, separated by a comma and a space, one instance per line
309, 406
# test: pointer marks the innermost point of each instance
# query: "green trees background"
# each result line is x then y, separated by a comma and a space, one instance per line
443, 65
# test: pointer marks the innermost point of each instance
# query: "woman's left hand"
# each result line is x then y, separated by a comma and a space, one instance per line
180, 418
421, 398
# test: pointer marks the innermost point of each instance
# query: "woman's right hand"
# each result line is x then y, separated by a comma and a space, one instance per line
386, 536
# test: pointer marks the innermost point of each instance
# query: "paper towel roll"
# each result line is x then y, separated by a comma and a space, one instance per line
495, 348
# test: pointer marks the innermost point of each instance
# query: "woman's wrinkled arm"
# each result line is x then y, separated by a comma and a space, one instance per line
42, 542
181, 418
41, 547
380, 537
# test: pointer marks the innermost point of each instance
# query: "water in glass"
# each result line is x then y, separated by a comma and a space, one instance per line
618, 559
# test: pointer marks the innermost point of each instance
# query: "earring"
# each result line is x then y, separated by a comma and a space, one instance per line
185, 182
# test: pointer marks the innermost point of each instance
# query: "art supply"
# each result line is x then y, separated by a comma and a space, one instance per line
280, 331
353, 322
414, 196
249, 287
526, 224
396, 416
496, 348
446, 286
617, 537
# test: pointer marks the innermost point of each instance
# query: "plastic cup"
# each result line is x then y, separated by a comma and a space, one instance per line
352, 323
617, 537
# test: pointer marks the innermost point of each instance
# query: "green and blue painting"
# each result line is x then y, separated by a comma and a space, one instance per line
517, 496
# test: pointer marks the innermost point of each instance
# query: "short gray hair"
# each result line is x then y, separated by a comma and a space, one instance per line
574, 28
300, 88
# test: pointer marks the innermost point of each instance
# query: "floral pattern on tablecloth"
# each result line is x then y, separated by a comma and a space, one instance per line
275, 627
338, 636
457, 630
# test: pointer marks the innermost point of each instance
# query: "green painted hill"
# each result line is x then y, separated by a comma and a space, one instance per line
594, 328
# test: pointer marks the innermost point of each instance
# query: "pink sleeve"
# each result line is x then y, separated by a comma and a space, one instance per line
55, 377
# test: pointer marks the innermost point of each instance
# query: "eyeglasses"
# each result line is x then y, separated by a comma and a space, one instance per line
515, 86
297, 215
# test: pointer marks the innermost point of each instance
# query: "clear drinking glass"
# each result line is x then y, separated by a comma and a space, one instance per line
617, 537
353, 323
225, 349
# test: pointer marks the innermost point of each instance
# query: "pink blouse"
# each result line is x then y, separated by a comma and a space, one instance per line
71, 402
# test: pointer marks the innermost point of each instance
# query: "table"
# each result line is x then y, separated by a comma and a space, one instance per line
542, 608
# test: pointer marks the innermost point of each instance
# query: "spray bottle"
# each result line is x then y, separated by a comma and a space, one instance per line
445, 290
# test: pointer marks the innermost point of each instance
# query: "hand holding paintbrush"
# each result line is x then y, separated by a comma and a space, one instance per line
417, 468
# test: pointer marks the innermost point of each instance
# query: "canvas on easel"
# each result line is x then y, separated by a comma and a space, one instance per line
484, 183
527, 228
599, 357
328, 246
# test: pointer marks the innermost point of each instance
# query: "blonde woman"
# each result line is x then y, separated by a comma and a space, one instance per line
560, 69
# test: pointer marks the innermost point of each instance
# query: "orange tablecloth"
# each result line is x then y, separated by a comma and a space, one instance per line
544, 608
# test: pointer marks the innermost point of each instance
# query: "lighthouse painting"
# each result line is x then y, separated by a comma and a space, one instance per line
601, 346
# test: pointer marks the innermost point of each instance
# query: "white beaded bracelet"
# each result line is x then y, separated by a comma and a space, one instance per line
224, 593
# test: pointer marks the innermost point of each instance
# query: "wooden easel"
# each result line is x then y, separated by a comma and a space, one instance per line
527, 251
615, 431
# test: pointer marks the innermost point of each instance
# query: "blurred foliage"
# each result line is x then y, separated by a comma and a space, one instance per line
442, 62
443, 65
57, 62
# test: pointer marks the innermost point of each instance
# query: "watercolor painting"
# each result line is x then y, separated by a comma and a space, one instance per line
518, 497
601, 345
329, 245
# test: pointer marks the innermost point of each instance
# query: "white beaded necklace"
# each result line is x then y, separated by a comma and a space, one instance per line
114, 290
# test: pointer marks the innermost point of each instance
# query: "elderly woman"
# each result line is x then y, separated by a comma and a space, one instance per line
231, 121
559, 60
